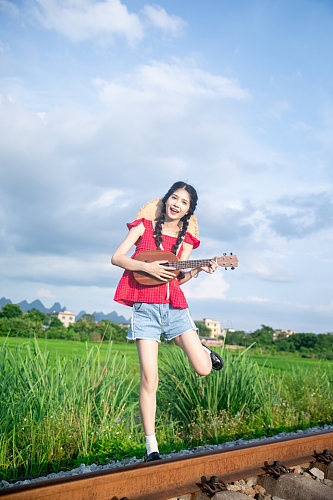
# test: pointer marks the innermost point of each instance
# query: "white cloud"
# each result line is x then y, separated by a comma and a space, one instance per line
159, 79
88, 270
84, 19
42, 292
159, 18
250, 299
272, 271
105, 200
207, 287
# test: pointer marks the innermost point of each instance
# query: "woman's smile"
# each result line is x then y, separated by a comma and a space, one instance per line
178, 204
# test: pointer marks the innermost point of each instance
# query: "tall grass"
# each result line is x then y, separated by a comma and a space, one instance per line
242, 400
53, 413
85, 408
241, 385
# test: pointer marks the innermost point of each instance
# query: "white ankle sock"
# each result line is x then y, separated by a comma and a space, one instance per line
151, 444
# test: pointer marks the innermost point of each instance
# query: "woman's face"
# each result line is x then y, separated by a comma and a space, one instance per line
178, 204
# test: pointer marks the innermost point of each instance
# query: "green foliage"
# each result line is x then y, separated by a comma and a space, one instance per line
51, 412
240, 385
58, 412
204, 331
55, 322
90, 318
38, 316
27, 325
304, 343
263, 336
237, 338
244, 400
11, 311
104, 329
307, 343
19, 327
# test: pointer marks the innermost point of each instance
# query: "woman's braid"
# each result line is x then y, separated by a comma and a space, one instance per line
158, 228
181, 235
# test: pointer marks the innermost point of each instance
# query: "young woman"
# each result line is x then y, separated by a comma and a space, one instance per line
162, 308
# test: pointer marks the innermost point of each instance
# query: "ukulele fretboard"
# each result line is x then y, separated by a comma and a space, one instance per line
187, 264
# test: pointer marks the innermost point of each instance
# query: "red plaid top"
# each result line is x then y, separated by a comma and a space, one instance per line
129, 291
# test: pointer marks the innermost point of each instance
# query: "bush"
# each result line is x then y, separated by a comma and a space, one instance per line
19, 327
11, 311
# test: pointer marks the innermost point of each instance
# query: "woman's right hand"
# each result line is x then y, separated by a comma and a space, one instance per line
159, 269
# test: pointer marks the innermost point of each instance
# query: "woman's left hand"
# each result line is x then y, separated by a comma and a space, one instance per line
211, 268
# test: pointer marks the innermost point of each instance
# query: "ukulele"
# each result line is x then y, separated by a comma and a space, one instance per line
173, 261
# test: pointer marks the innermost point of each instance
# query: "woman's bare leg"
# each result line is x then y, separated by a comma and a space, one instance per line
148, 354
197, 355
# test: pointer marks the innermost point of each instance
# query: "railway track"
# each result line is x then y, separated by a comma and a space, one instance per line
162, 480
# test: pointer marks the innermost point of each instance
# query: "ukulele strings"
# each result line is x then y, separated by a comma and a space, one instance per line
184, 264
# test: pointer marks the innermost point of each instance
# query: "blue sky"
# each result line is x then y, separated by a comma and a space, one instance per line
104, 104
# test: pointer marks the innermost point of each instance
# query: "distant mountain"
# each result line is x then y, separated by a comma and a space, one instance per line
37, 304
99, 316
4, 301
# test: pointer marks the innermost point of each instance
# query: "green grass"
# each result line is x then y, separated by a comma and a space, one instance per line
245, 399
55, 413
287, 362
64, 403
70, 349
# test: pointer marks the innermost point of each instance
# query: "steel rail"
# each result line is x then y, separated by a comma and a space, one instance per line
165, 479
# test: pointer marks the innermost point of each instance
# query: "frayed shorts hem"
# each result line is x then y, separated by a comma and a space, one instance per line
150, 320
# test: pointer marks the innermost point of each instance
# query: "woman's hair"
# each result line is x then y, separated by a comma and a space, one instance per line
185, 220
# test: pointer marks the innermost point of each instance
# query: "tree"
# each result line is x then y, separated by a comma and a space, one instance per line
89, 317
11, 311
204, 331
37, 315
263, 336
55, 322
303, 341
21, 327
82, 326
71, 334
236, 338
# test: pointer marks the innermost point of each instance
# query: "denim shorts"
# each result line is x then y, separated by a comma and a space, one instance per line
148, 321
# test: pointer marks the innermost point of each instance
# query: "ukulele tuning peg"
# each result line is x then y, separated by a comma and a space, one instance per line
232, 268
226, 268
230, 253
224, 253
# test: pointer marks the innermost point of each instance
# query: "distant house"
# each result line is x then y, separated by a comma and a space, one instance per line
66, 317
214, 327
282, 333
124, 325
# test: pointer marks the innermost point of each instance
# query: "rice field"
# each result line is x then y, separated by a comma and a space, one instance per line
66, 403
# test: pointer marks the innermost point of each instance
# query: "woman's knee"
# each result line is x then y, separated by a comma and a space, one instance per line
203, 370
149, 382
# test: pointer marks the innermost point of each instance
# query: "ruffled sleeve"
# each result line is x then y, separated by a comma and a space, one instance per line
191, 240
135, 223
